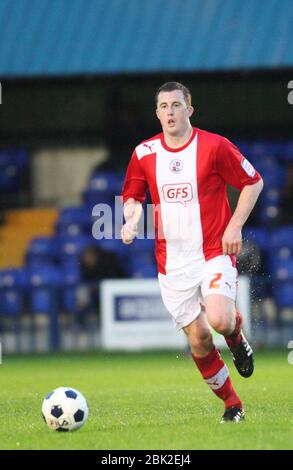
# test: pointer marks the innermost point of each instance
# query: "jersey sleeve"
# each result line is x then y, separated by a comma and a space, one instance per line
233, 167
135, 184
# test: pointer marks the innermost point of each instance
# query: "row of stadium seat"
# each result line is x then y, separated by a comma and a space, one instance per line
136, 260
277, 250
38, 290
255, 150
51, 289
280, 240
274, 175
269, 157
55, 261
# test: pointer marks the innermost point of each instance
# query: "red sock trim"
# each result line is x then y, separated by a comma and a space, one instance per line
209, 366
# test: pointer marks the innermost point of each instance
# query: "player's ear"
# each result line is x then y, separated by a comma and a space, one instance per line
190, 111
157, 114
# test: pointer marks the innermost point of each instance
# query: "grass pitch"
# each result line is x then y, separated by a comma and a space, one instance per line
145, 401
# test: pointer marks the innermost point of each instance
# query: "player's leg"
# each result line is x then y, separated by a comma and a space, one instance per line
181, 298
224, 318
199, 336
212, 367
219, 292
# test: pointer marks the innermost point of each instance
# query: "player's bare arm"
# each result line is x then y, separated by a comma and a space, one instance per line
232, 238
132, 213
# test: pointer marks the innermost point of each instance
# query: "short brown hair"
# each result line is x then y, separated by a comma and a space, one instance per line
171, 86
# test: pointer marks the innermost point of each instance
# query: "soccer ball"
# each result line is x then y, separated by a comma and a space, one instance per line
65, 409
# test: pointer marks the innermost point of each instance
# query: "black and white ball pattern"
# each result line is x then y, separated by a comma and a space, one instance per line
65, 409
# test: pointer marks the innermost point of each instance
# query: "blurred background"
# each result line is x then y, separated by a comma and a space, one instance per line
78, 81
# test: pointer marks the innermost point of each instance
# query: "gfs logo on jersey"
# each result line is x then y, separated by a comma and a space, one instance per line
247, 167
179, 192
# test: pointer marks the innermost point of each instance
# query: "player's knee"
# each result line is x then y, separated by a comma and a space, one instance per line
222, 324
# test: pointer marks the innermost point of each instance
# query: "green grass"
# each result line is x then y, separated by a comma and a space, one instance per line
145, 401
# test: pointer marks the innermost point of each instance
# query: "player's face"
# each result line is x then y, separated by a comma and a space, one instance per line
173, 112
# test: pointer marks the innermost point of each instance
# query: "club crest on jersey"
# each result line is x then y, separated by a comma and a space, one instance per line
176, 166
247, 167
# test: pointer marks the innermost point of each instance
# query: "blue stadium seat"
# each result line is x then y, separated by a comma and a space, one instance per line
283, 293
244, 147
102, 187
282, 237
80, 214
44, 282
282, 269
268, 206
287, 155
91, 198
259, 286
263, 148
257, 235
273, 176
70, 279
70, 229
270, 195
283, 252
144, 270
18, 157
113, 245
145, 244
12, 291
9, 178
268, 213
104, 182
74, 220
44, 297
12, 163
70, 248
142, 261
42, 250
136, 260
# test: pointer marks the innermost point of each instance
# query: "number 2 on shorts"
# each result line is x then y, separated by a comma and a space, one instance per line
214, 282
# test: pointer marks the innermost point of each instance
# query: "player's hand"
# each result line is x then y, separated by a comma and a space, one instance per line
232, 241
128, 233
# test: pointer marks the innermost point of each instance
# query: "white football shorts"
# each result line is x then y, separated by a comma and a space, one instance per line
183, 294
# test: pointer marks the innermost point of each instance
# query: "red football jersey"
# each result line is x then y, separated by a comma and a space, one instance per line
188, 190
